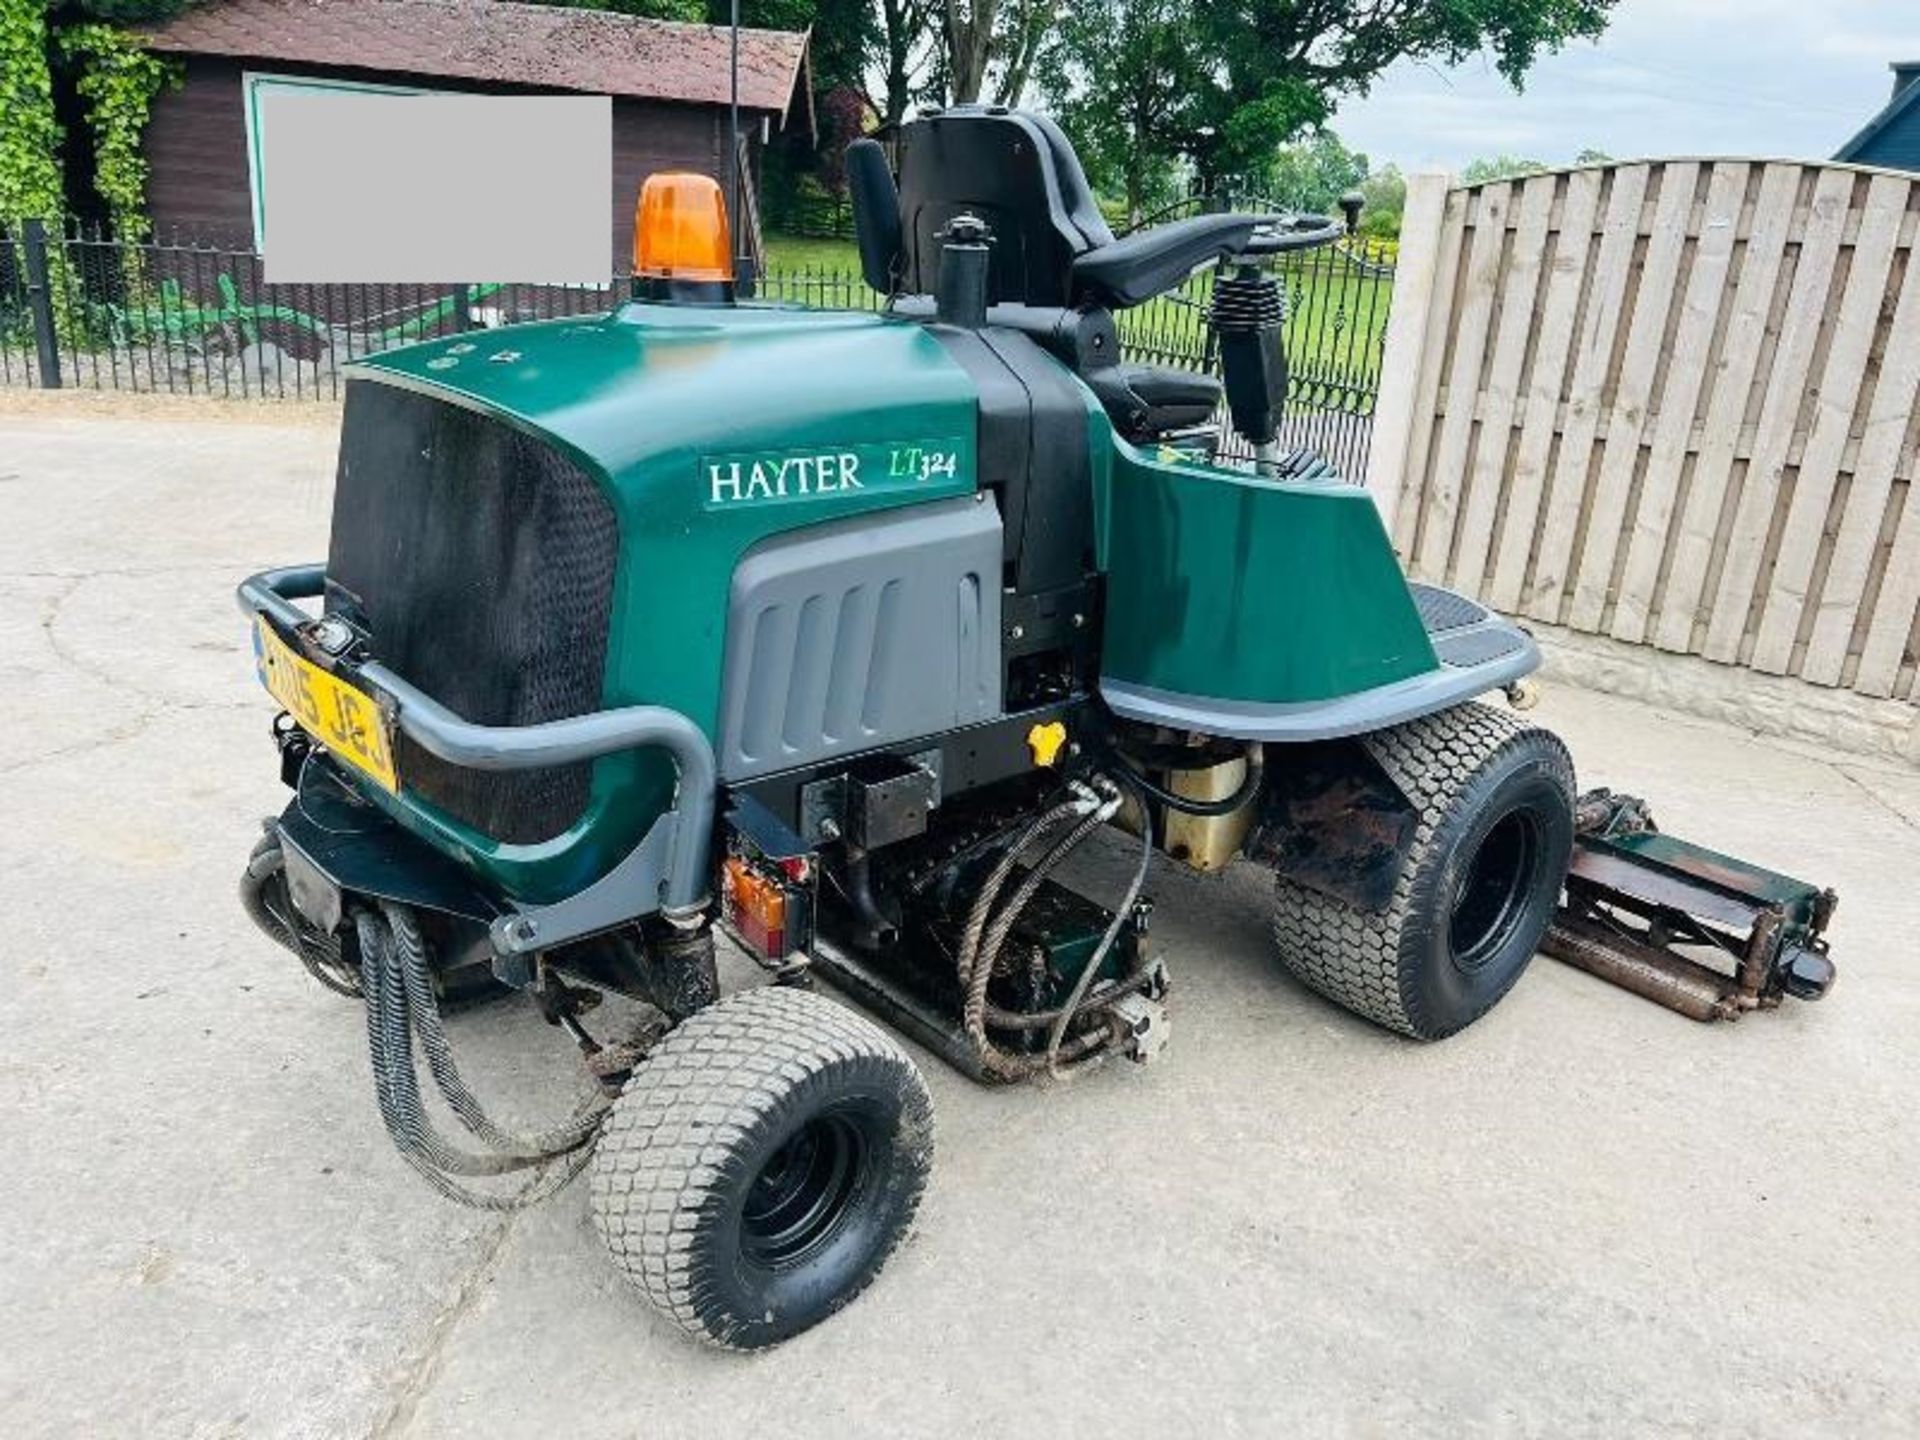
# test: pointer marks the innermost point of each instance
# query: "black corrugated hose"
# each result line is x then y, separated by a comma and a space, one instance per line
402, 1008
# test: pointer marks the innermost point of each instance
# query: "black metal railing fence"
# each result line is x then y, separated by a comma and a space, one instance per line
175, 316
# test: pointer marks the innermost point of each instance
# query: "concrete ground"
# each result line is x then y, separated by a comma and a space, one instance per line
1583, 1216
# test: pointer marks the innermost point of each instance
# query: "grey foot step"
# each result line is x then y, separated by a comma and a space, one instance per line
1464, 632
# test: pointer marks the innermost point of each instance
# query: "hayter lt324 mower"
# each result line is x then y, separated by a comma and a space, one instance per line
844, 631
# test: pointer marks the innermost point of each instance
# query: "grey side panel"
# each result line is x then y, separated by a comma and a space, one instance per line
859, 633
1478, 652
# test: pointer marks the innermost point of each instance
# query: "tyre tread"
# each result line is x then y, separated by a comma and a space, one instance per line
1354, 957
670, 1144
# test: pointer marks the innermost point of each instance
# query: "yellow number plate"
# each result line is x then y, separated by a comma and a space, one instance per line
347, 721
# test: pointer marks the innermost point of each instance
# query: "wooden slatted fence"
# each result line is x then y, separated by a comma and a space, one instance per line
1671, 402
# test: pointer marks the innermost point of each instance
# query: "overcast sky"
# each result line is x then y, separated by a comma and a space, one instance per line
1788, 78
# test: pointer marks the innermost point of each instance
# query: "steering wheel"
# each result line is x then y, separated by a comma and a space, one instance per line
1281, 234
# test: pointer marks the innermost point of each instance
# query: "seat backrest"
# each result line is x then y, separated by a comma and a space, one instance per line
1015, 171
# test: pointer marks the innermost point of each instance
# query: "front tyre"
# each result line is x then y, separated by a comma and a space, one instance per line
269, 903
761, 1165
1494, 799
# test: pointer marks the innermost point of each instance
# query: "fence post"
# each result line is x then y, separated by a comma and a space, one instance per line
46, 343
460, 319
1402, 353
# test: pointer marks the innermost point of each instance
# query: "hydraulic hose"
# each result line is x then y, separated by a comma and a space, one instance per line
973, 1013
999, 1018
875, 927
1091, 968
424, 1010
396, 1083
990, 888
972, 964
1249, 786
983, 941
401, 1007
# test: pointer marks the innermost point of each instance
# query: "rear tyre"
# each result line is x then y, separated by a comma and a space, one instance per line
1494, 798
761, 1165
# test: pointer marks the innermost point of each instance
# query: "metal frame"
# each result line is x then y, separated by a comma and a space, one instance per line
667, 871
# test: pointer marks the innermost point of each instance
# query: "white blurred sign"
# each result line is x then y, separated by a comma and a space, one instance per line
367, 184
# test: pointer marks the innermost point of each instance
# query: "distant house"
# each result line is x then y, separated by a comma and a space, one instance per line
1892, 138
668, 84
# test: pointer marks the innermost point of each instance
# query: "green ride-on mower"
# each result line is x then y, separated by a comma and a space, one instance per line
842, 631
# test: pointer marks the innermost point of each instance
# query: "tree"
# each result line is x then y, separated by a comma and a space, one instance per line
30, 179
843, 38
846, 36
1138, 59
1383, 200
1499, 167
1254, 73
1312, 174
1025, 28
903, 34
1513, 167
117, 80
997, 41
969, 36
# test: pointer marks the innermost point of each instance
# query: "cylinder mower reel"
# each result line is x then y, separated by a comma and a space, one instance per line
643, 629
1699, 932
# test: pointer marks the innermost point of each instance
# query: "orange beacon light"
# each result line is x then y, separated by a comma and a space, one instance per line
680, 234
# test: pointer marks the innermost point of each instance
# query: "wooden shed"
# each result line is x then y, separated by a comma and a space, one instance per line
668, 84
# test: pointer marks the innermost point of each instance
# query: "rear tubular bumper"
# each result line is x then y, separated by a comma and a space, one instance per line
675, 850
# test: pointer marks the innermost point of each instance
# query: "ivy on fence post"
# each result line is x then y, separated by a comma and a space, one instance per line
119, 79
30, 185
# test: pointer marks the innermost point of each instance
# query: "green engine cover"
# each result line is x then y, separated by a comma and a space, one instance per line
711, 429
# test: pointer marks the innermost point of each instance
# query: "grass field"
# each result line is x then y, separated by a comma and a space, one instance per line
793, 252
1336, 322
1336, 319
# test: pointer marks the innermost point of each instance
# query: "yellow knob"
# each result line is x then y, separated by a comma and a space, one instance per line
1045, 741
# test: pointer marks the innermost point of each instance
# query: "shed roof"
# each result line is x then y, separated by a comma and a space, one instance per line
594, 51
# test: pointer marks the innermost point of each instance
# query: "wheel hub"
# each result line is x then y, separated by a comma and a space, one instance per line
804, 1191
1494, 889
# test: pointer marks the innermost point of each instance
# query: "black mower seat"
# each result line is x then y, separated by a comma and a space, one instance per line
1054, 269
1051, 247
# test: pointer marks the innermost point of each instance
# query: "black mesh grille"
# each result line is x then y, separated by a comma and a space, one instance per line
481, 561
